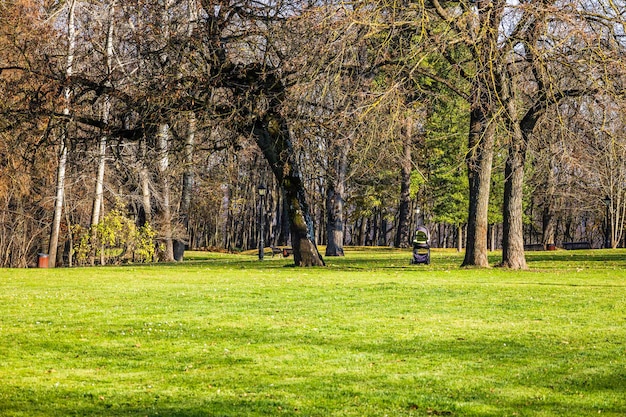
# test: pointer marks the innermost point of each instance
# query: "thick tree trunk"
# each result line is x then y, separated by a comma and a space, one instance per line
512, 227
272, 137
479, 164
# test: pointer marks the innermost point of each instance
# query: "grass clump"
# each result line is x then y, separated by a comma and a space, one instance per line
370, 335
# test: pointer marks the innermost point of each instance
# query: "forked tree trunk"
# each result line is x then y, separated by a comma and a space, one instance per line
512, 225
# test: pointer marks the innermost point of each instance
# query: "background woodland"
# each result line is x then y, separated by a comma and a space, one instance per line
131, 130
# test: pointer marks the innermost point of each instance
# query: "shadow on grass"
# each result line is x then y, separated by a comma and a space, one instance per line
422, 376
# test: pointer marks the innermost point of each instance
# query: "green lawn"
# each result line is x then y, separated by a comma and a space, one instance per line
369, 335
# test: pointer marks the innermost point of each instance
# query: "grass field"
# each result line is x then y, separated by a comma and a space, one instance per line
369, 335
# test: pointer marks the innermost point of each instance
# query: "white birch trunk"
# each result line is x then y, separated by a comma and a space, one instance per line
98, 197
144, 180
60, 180
164, 162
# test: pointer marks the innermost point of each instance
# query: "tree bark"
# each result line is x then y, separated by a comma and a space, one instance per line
58, 204
60, 184
479, 165
166, 207
548, 218
402, 234
272, 137
512, 211
187, 188
512, 226
335, 203
102, 146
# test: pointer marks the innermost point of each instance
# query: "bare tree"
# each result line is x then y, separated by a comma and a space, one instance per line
63, 140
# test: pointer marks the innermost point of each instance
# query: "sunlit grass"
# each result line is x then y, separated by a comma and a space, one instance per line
369, 335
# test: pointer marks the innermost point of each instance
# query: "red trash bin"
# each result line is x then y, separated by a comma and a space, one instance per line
42, 260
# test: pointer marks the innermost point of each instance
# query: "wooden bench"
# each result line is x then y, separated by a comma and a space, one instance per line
282, 251
533, 247
576, 245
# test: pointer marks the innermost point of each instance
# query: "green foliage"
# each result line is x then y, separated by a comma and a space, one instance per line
496, 191
144, 243
446, 144
115, 239
375, 193
417, 181
226, 335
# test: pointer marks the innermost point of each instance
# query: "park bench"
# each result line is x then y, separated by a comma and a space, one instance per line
281, 251
576, 245
533, 247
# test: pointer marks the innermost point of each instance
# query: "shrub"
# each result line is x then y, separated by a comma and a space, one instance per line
114, 240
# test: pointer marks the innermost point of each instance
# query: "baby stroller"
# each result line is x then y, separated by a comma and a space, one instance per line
421, 246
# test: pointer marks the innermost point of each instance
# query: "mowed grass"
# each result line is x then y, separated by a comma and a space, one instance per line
369, 335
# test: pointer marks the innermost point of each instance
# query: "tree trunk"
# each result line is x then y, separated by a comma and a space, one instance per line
166, 207
512, 227
479, 164
144, 180
60, 185
188, 181
106, 110
335, 204
402, 234
98, 194
58, 204
272, 137
548, 226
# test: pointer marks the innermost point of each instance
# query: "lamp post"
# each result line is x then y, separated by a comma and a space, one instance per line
262, 191
609, 225
420, 218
